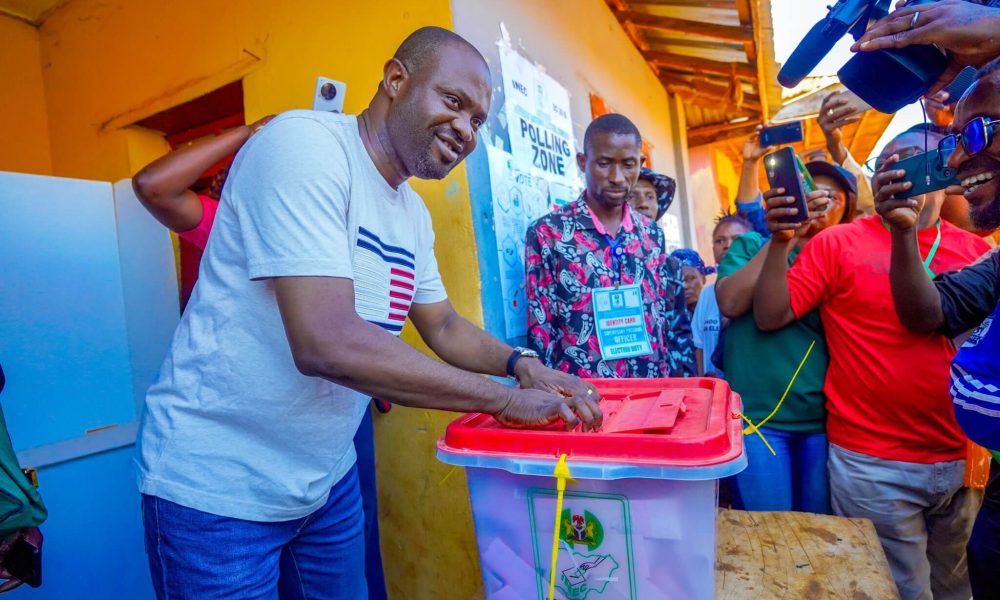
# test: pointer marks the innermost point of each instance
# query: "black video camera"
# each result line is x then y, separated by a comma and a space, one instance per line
886, 79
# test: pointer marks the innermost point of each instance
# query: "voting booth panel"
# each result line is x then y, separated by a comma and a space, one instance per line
88, 303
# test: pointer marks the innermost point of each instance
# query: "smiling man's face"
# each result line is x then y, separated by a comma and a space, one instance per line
436, 115
980, 174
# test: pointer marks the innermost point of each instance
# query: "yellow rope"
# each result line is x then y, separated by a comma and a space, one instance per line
562, 475
757, 431
756, 428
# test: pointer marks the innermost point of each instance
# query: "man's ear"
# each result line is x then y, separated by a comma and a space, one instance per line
581, 161
394, 77
642, 160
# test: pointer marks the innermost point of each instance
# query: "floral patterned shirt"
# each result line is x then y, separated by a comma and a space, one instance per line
566, 256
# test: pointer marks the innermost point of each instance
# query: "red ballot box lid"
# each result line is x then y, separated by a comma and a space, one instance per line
663, 422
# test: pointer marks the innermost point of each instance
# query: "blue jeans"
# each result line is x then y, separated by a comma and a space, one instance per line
984, 554
795, 479
364, 445
984, 545
200, 556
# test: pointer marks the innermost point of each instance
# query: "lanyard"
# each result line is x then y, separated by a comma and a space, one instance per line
617, 252
933, 250
930, 253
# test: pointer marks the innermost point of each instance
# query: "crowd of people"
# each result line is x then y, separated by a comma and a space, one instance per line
851, 409
837, 332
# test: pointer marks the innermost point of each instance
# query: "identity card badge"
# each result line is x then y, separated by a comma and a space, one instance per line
621, 325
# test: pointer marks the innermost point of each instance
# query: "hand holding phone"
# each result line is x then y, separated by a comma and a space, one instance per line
787, 133
899, 213
927, 171
783, 172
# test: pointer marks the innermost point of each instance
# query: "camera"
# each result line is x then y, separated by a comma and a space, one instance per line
887, 79
329, 95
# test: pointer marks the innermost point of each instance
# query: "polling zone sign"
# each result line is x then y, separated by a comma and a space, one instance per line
538, 120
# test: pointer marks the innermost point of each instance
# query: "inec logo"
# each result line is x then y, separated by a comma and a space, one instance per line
585, 530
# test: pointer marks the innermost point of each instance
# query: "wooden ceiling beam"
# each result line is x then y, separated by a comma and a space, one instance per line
748, 85
723, 4
668, 59
632, 31
714, 128
740, 130
710, 95
729, 33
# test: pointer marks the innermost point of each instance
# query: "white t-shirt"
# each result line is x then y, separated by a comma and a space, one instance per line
231, 427
705, 323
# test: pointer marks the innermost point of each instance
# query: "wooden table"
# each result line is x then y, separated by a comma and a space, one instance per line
764, 555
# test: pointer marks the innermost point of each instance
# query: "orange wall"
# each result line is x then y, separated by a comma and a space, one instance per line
713, 182
24, 135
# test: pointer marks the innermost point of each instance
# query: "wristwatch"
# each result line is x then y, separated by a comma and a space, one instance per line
518, 353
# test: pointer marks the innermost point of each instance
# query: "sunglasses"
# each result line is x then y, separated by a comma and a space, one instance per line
976, 136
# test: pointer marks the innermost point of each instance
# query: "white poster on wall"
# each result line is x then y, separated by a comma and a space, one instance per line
538, 121
671, 226
518, 199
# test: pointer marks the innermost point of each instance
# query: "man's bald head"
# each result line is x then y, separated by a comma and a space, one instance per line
421, 50
434, 96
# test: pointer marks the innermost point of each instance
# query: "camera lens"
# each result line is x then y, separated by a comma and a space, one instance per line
328, 91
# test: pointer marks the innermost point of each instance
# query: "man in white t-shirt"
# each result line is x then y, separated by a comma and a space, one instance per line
319, 253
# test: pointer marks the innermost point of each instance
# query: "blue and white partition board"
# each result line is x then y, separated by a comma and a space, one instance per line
88, 303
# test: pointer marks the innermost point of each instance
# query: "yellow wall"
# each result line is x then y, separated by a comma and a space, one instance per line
125, 61
24, 135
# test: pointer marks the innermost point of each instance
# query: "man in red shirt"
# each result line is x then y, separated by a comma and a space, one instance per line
896, 452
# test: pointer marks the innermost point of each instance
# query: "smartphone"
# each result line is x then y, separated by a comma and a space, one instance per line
786, 133
329, 95
24, 562
927, 171
783, 172
856, 104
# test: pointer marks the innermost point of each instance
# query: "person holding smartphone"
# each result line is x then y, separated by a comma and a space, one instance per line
896, 455
957, 302
793, 422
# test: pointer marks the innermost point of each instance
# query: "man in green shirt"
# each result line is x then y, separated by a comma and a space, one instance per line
780, 374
